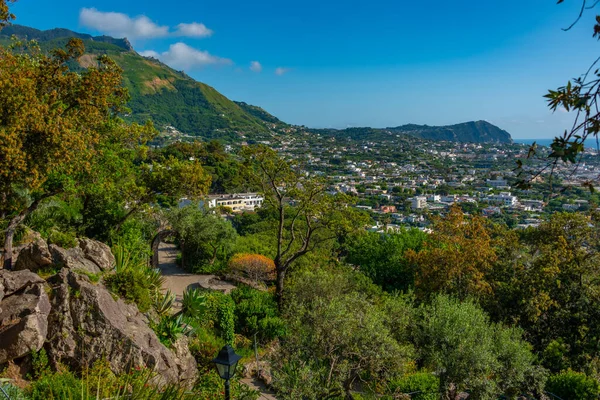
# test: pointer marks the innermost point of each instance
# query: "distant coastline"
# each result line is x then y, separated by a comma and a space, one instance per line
540, 142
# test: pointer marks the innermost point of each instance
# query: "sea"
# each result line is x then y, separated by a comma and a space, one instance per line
540, 142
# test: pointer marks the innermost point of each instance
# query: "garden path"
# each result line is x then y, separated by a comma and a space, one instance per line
177, 280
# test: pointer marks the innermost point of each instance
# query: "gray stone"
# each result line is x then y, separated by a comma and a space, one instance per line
97, 252
15, 281
87, 324
33, 256
74, 259
24, 311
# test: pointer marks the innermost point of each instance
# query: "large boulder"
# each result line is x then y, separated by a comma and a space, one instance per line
87, 324
33, 256
24, 310
97, 252
90, 256
74, 259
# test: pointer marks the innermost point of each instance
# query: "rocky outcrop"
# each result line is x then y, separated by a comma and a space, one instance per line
90, 256
73, 259
97, 252
87, 324
24, 311
33, 256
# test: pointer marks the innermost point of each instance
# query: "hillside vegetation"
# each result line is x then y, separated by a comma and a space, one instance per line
158, 92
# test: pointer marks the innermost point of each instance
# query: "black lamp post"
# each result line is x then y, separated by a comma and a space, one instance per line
226, 363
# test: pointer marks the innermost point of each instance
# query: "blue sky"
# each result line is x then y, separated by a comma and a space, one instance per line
338, 63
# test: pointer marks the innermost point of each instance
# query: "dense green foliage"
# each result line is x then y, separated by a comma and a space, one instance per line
256, 312
381, 257
570, 385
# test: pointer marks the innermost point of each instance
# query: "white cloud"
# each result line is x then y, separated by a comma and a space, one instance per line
255, 66
193, 30
121, 25
281, 71
182, 56
140, 27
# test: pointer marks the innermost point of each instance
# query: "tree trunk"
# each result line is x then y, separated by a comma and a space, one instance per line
279, 287
8, 241
214, 256
9, 236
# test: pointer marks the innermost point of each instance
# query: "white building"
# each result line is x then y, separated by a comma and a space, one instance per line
504, 198
418, 202
237, 202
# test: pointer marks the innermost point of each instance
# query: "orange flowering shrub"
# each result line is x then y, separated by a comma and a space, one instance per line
254, 266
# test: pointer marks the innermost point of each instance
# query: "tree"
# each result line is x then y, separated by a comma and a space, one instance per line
455, 258
334, 350
5, 15
256, 267
204, 237
548, 283
306, 216
382, 256
467, 352
51, 125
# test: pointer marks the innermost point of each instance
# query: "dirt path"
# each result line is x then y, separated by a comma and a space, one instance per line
177, 280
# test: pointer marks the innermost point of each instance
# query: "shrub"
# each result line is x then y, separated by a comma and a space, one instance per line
170, 328
13, 392
253, 266
424, 385
205, 346
62, 239
133, 279
226, 319
210, 386
219, 314
99, 382
256, 311
132, 287
571, 385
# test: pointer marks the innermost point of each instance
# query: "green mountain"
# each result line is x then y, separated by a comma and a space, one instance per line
474, 131
158, 92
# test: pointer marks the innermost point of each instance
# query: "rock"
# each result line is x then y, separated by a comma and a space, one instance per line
258, 285
24, 310
87, 324
90, 256
97, 252
73, 259
33, 256
15, 281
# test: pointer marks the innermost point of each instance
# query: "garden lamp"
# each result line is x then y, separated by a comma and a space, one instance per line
226, 363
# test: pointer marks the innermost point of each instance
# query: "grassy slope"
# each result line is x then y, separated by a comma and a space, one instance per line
168, 97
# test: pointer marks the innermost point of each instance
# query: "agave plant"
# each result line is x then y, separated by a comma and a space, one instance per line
193, 303
155, 280
123, 260
170, 328
164, 303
